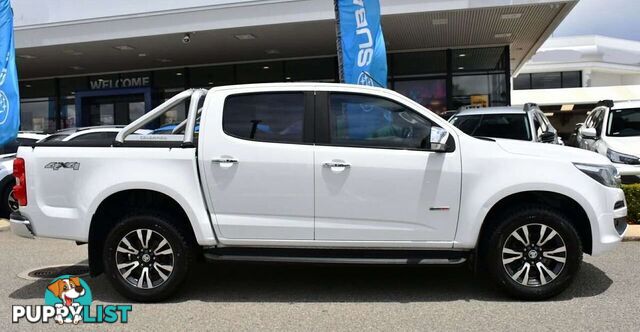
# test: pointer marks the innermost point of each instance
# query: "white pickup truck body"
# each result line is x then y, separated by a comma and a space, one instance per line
316, 193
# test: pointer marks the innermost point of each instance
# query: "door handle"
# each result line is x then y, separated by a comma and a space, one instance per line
333, 164
225, 161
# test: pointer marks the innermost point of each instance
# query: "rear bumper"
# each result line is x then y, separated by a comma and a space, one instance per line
21, 226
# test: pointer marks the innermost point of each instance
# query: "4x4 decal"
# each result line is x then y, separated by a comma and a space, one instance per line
56, 165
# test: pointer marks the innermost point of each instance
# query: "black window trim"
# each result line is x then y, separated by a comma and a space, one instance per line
308, 131
323, 126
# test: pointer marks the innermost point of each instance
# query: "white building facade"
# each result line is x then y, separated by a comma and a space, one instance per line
569, 75
94, 62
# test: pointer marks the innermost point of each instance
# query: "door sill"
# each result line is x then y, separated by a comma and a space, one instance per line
338, 256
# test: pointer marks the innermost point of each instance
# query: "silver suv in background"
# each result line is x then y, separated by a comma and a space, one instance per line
526, 123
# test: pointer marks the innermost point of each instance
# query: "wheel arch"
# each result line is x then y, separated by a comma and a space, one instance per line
117, 204
562, 203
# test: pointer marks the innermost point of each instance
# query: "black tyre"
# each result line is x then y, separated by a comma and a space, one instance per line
8, 203
146, 257
533, 252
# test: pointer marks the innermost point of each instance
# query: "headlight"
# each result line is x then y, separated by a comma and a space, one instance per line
606, 175
622, 158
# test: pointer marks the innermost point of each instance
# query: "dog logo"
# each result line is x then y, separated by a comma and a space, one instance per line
70, 292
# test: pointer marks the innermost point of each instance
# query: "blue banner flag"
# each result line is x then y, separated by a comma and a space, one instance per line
361, 50
9, 96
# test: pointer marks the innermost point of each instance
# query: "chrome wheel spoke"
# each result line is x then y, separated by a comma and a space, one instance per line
543, 229
519, 238
132, 266
129, 250
541, 267
549, 237
511, 260
158, 268
549, 254
144, 277
145, 241
159, 246
525, 268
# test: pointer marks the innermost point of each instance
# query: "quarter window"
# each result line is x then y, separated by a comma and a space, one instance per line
358, 120
266, 117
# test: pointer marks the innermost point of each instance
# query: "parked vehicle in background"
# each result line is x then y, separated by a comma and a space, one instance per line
526, 123
323, 173
90, 134
7, 155
613, 130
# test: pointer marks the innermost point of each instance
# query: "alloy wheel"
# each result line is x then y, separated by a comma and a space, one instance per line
13, 202
144, 258
534, 255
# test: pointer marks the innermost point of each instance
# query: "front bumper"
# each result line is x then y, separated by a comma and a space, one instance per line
21, 226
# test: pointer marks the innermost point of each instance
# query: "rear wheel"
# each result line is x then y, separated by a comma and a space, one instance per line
8, 203
534, 253
147, 257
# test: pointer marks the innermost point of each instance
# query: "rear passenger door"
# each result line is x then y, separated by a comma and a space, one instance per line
257, 160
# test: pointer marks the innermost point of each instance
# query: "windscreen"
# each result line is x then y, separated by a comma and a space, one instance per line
623, 123
511, 126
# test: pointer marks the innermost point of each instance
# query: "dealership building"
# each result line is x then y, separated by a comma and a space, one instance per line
85, 63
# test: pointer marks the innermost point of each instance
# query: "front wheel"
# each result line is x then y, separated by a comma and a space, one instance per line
146, 257
534, 253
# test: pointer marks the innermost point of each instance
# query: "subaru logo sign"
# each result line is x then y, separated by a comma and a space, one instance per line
365, 79
4, 107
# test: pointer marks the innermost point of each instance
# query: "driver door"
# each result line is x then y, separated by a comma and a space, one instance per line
375, 179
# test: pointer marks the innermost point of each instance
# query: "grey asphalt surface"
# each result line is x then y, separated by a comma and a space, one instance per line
235, 297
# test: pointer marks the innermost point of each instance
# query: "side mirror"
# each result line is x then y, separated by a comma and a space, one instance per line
438, 139
589, 133
547, 137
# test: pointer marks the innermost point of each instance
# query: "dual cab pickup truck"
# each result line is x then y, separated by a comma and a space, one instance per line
325, 173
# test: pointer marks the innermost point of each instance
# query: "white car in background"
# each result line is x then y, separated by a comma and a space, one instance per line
7, 154
613, 130
526, 123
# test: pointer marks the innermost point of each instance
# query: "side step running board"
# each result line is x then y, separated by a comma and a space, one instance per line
338, 256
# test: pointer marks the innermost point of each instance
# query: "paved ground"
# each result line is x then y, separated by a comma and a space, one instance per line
605, 296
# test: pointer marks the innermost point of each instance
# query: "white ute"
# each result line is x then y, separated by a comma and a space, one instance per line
327, 173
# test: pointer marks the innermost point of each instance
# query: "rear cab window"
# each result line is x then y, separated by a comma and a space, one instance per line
276, 117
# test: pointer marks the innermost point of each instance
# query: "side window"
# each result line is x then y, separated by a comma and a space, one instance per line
266, 117
359, 120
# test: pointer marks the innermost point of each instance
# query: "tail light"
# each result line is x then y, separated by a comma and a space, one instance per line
20, 189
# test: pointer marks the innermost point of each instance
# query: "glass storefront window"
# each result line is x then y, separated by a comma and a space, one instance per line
68, 114
430, 93
418, 63
38, 115
318, 70
478, 60
261, 72
211, 76
172, 78
483, 90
